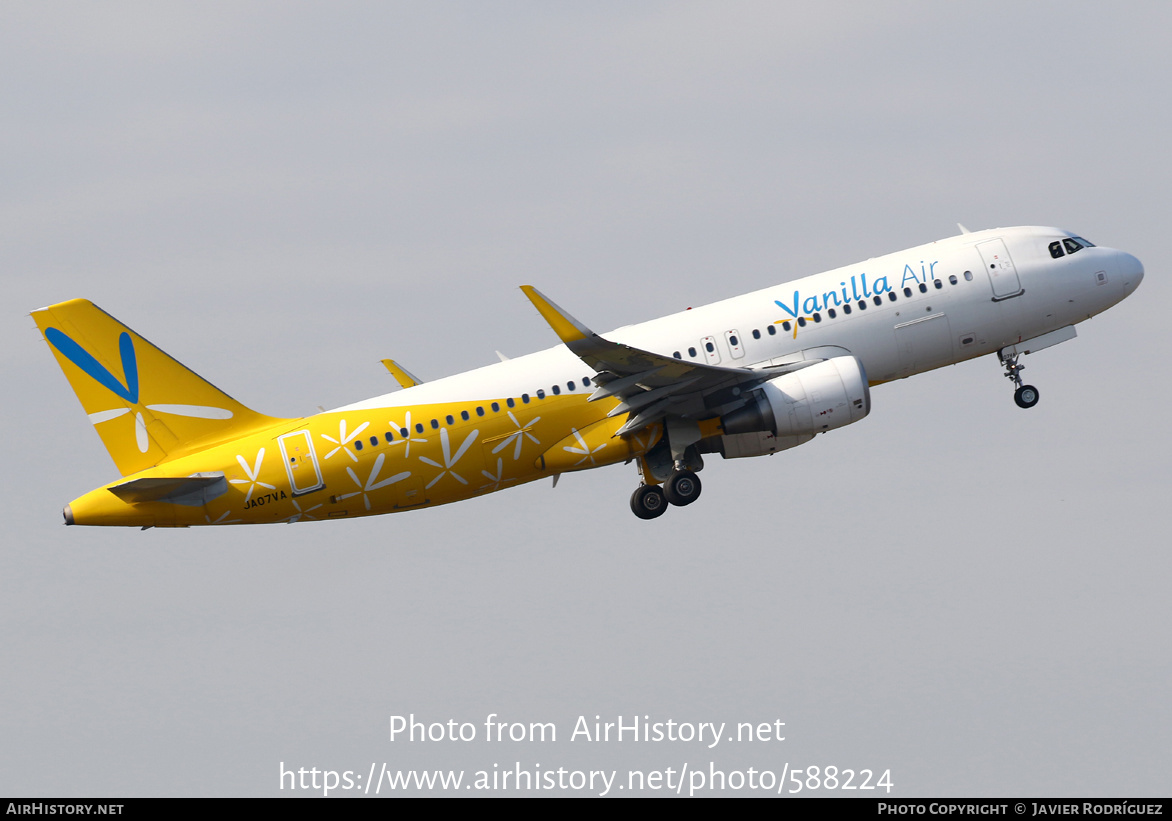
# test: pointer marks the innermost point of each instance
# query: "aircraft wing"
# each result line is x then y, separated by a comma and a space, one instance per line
651, 386
404, 377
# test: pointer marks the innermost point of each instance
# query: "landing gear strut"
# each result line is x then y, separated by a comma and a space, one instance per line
1026, 396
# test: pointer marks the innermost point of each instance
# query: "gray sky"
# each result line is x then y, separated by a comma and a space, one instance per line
279, 195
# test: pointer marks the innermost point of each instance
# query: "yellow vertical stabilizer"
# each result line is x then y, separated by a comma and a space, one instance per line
147, 407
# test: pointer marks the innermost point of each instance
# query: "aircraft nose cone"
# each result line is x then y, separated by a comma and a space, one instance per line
1131, 270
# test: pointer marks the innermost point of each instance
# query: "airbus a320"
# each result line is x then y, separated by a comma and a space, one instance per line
748, 376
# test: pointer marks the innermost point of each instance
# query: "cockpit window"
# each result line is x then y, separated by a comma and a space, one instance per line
1084, 243
1071, 245
1056, 249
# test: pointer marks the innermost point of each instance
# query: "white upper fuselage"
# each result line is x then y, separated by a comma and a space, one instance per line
938, 304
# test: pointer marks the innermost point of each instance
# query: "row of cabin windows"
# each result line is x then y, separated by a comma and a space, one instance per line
479, 411
892, 296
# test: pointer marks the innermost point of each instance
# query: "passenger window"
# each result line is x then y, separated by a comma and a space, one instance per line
831, 313
952, 280
801, 322
390, 437
464, 415
403, 432
817, 317
907, 292
435, 424
938, 284
496, 408
846, 309
508, 402
772, 330
556, 390
419, 427
891, 296
785, 325
968, 276
756, 334
862, 305
923, 287
480, 410
570, 384
586, 381
708, 346
524, 399
540, 394
450, 420
357, 444
677, 355
691, 352
374, 441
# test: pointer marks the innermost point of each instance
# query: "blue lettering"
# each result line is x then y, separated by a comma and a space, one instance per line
908, 272
811, 305
881, 286
786, 308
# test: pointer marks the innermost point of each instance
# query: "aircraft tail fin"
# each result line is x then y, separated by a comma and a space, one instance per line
147, 407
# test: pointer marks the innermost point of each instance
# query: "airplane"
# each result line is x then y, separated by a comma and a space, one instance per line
747, 376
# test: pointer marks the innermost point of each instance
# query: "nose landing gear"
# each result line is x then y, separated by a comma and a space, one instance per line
1026, 396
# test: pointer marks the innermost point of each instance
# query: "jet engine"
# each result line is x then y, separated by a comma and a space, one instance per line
793, 407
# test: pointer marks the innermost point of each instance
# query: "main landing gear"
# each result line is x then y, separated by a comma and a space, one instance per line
1026, 396
668, 470
651, 501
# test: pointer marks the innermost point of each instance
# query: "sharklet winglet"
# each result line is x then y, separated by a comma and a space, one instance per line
404, 377
565, 326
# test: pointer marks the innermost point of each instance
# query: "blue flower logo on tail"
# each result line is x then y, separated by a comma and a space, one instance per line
83, 359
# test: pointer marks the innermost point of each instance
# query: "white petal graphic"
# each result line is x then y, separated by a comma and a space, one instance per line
449, 460
140, 434
197, 411
105, 416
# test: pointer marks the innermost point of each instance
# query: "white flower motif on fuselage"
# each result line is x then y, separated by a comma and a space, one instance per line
518, 437
344, 439
449, 459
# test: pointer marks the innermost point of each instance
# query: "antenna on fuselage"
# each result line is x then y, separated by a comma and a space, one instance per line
963, 230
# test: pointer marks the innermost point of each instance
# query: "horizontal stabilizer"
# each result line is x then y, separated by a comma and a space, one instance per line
192, 491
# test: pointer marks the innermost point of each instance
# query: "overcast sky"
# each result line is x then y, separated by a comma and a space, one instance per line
280, 194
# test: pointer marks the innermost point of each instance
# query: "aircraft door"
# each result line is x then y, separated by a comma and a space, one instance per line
711, 354
301, 462
733, 338
1000, 268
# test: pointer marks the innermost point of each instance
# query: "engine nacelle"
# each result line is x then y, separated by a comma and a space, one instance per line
812, 400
